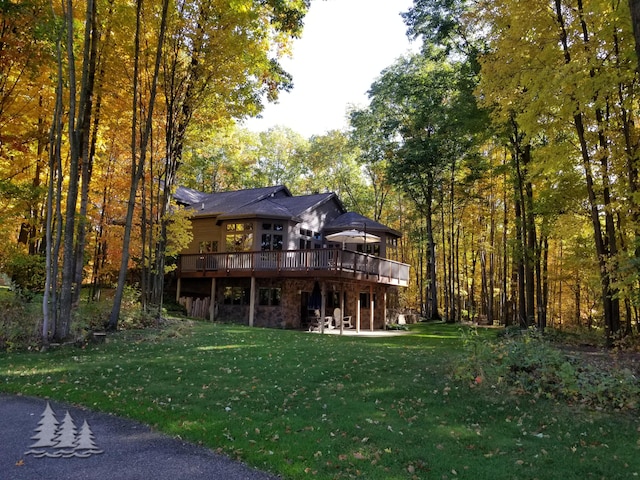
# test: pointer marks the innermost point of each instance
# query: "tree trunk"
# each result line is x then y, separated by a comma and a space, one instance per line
49, 298
446, 266
605, 242
137, 168
432, 288
80, 106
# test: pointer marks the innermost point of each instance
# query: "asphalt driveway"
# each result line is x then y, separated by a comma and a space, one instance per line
68, 443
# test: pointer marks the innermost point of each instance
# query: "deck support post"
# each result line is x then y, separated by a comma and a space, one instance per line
371, 307
252, 301
384, 307
358, 312
341, 308
323, 310
212, 302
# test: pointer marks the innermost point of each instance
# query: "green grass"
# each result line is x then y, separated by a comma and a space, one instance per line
305, 405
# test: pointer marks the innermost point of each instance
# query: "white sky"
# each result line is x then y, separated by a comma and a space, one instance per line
344, 47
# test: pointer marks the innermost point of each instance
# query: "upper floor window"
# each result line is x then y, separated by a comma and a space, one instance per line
392, 248
272, 238
370, 248
209, 246
309, 239
239, 237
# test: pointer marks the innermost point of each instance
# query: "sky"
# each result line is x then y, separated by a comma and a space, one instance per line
344, 47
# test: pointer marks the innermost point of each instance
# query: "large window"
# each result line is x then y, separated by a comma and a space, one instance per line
209, 246
269, 296
309, 239
236, 295
239, 237
272, 238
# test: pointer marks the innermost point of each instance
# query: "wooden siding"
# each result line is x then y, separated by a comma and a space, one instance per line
204, 230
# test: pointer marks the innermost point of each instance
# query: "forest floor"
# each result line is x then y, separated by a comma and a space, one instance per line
602, 358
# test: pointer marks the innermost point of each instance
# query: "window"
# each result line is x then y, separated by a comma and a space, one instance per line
239, 237
309, 239
276, 227
370, 248
269, 296
209, 246
272, 241
236, 295
365, 299
392, 248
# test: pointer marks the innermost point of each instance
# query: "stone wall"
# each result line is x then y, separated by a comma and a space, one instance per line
290, 314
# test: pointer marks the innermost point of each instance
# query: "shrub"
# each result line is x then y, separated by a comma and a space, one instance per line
19, 324
526, 363
27, 273
132, 316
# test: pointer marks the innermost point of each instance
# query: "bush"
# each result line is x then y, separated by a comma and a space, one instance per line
20, 324
131, 314
27, 273
526, 363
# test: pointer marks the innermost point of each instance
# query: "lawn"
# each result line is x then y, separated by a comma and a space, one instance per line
322, 406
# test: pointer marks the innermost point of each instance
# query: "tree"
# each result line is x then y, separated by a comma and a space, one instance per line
415, 101
334, 167
596, 102
219, 63
280, 158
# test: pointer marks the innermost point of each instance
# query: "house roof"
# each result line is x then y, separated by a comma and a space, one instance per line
215, 204
270, 202
275, 202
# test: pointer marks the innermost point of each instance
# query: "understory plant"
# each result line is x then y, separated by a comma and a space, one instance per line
525, 362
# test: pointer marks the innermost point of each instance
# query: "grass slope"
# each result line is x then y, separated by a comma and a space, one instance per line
305, 405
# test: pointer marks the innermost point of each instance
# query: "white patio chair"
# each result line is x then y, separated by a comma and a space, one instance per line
317, 325
346, 321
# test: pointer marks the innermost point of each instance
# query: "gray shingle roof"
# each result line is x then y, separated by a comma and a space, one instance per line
270, 202
225, 202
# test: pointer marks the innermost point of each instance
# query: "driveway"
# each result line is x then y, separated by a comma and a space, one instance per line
51, 443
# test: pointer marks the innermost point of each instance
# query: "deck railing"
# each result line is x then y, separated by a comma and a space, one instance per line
338, 262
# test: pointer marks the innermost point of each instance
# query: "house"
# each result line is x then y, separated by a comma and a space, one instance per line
263, 256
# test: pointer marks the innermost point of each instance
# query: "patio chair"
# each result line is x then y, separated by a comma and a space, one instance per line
316, 325
346, 321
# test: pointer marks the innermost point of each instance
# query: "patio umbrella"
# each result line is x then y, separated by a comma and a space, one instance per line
315, 299
353, 236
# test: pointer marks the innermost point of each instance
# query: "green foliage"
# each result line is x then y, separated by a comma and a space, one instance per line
21, 319
132, 316
524, 362
19, 323
27, 273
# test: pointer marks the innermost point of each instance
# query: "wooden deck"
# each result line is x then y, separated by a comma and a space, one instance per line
345, 264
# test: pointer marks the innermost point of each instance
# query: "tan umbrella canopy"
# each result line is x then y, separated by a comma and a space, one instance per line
353, 236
